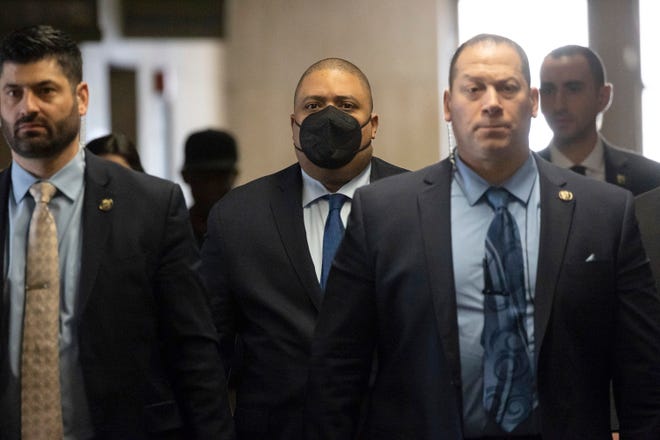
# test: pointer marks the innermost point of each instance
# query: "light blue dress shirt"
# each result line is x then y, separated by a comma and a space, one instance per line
470, 218
66, 207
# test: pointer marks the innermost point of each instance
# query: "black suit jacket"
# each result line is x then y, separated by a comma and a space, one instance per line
148, 348
625, 168
392, 288
263, 287
647, 207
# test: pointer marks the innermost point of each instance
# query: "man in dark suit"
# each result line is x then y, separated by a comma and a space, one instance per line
647, 208
413, 279
574, 92
136, 355
263, 255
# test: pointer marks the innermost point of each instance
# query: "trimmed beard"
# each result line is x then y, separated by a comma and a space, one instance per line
59, 135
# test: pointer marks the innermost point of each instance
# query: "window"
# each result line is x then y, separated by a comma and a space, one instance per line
649, 35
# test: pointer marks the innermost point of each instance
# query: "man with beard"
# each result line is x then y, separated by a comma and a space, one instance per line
574, 93
268, 247
105, 330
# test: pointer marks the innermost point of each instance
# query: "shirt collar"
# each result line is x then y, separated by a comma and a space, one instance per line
313, 189
520, 185
68, 181
595, 161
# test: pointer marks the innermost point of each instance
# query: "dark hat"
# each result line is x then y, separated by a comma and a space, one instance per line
210, 150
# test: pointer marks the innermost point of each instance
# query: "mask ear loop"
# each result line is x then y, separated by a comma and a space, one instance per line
368, 143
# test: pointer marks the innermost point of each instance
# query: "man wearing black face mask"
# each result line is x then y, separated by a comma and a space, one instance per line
264, 258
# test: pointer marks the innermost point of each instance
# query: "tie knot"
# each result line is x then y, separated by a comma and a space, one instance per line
497, 197
336, 201
580, 169
43, 191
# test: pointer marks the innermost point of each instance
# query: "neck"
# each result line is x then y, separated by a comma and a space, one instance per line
579, 148
46, 167
497, 170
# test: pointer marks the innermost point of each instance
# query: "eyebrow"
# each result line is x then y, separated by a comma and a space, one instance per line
46, 82
325, 98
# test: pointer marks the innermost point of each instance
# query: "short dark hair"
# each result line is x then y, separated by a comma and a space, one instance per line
210, 150
35, 43
336, 64
491, 38
593, 59
119, 144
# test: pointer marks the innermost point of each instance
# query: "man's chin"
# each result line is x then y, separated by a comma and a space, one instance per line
34, 150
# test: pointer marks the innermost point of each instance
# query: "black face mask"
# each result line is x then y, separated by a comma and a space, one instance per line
331, 138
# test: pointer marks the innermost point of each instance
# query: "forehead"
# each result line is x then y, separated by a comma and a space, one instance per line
47, 69
489, 60
566, 68
332, 82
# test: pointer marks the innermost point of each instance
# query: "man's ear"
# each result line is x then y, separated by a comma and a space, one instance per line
605, 95
446, 99
82, 98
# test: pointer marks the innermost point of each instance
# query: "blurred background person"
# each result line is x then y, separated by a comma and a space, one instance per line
118, 148
210, 171
574, 94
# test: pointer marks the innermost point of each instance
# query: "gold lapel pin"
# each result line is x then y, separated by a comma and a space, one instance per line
566, 196
621, 179
106, 205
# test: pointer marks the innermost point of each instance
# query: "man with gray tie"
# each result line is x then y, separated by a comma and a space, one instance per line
105, 332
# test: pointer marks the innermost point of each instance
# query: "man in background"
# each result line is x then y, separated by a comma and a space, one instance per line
270, 244
210, 171
574, 94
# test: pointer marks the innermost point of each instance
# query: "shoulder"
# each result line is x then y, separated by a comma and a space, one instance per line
544, 153
263, 187
649, 202
381, 168
254, 198
134, 188
595, 192
406, 184
633, 158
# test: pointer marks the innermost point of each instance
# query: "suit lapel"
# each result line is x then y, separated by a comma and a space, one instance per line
97, 218
435, 223
556, 220
286, 207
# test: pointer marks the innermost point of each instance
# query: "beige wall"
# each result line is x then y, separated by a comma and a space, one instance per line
271, 43
614, 34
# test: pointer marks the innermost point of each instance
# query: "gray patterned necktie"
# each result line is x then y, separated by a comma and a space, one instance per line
41, 404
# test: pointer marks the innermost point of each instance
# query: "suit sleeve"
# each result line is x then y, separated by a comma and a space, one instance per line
636, 376
342, 349
213, 271
189, 339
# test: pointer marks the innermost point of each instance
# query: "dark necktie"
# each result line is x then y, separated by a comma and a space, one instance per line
41, 404
580, 169
508, 376
332, 235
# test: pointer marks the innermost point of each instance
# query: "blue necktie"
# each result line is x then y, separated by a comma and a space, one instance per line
332, 235
508, 377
